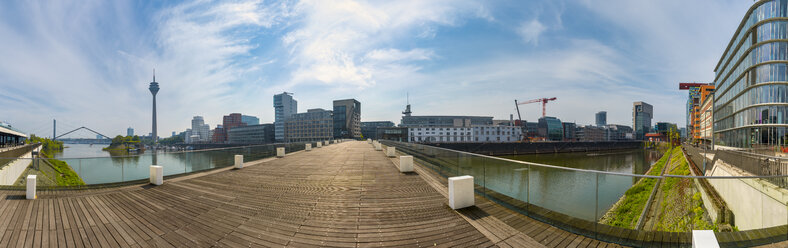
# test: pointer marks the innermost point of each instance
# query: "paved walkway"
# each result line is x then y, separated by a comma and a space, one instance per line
344, 195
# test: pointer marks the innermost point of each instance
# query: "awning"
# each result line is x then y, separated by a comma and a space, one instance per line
6, 130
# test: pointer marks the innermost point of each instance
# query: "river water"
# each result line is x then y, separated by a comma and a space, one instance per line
583, 195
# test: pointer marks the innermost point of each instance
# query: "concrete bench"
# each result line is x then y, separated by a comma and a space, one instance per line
461, 192
239, 161
156, 175
405, 163
391, 151
31, 187
280, 152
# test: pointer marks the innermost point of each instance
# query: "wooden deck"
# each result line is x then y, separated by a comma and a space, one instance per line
344, 195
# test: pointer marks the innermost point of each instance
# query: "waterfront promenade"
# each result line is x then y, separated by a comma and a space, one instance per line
343, 195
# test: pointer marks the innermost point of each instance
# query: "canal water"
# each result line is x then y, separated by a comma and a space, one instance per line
95, 166
585, 195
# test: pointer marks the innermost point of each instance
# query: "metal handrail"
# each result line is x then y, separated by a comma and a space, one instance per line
590, 171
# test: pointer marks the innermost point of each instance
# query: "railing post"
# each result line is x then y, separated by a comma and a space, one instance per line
156, 175
31, 187
239, 161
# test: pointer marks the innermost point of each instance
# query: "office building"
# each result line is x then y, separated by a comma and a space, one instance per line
570, 131
445, 121
369, 129
314, 125
392, 133
601, 118
750, 101
250, 120
228, 122
284, 106
551, 128
219, 134
347, 119
200, 131
591, 133
697, 94
251, 134
706, 109
641, 119
485, 133
615, 132
129, 131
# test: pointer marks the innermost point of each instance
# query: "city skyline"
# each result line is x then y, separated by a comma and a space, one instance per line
499, 52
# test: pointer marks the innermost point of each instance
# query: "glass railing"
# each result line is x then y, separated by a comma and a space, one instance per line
627, 209
115, 170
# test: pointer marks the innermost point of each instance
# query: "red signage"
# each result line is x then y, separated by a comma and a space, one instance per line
686, 86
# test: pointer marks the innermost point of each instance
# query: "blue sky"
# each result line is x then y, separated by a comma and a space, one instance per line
88, 63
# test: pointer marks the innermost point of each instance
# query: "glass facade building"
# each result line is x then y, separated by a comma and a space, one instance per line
601, 118
750, 102
314, 125
641, 119
551, 128
284, 106
347, 119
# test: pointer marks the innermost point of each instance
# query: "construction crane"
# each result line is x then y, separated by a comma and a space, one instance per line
542, 100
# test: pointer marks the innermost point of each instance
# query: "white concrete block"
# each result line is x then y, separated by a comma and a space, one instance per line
325, 143
31, 187
704, 239
319, 144
369, 141
461, 192
405, 163
378, 147
391, 151
280, 152
308, 147
156, 175
239, 161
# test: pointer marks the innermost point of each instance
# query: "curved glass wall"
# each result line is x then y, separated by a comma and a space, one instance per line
751, 100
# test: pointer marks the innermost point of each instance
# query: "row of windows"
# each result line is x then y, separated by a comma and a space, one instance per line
771, 9
763, 53
748, 137
769, 93
755, 116
456, 139
468, 133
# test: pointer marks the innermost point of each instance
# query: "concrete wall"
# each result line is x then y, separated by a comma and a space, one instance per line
755, 203
11, 171
497, 149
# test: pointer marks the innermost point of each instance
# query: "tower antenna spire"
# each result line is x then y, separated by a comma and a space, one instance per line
154, 74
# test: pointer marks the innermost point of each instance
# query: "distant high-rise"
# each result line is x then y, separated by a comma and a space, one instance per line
129, 131
200, 131
347, 119
284, 106
641, 119
250, 120
154, 88
601, 118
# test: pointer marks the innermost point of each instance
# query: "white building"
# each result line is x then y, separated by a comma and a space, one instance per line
486, 133
200, 131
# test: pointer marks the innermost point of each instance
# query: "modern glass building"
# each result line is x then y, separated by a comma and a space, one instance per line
347, 119
551, 128
284, 106
369, 129
601, 118
641, 119
314, 125
751, 78
250, 120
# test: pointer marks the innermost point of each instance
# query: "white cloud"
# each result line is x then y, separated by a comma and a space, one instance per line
530, 31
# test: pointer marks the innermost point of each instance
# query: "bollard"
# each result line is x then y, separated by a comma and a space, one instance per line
378, 147
704, 238
280, 152
156, 175
369, 141
325, 143
319, 144
461, 192
391, 151
31, 187
405, 163
239, 161
308, 147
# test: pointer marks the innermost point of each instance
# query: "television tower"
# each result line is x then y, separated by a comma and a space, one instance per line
154, 88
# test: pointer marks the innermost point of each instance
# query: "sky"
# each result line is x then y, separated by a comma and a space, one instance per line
89, 63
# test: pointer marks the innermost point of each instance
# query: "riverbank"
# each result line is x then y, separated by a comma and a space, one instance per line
52, 172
